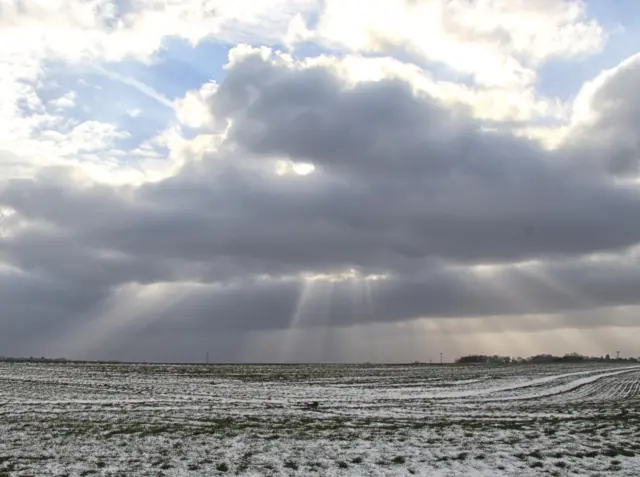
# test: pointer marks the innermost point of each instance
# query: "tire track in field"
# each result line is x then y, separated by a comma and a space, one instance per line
572, 386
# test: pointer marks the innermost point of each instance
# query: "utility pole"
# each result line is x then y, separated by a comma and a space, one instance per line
207, 358
441, 358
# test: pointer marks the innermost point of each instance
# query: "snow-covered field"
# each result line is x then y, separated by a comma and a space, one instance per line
155, 420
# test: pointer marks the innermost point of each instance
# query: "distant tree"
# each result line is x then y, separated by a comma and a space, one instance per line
472, 359
607, 357
495, 359
543, 358
481, 358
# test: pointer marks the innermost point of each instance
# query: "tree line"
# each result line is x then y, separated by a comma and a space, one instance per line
539, 359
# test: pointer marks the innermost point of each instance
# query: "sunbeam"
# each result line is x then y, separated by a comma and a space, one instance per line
128, 309
326, 300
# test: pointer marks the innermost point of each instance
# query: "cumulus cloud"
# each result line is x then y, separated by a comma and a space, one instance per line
192, 110
605, 113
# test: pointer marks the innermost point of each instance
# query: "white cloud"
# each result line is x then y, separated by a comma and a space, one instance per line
496, 104
499, 42
193, 109
67, 100
110, 30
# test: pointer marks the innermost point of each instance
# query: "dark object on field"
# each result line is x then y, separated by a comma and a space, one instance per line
312, 405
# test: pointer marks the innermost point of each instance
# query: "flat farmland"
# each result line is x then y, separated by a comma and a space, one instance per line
63, 419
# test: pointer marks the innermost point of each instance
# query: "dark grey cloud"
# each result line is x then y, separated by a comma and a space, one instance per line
434, 175
404, 186
261, 304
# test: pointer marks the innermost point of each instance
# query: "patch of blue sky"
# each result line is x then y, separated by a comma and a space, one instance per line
563, 78
177, 67
309, 50
102, 98
51, 90
134, 96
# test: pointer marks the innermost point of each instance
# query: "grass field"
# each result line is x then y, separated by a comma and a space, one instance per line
173, 420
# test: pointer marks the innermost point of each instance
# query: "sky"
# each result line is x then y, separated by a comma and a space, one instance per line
319, 180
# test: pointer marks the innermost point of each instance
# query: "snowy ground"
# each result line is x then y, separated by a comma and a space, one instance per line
151, 420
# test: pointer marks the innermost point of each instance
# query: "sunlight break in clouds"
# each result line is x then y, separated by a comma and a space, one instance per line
499, 42
306, 180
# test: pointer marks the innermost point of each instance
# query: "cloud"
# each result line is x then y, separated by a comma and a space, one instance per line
437, 216
381, 139
68, 100
111, 31
487, 103
605, 113
192, 110
498, 42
